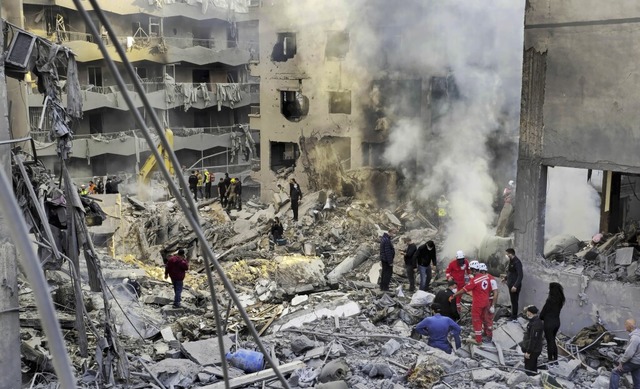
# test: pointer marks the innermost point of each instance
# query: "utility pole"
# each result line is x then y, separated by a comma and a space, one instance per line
9, 315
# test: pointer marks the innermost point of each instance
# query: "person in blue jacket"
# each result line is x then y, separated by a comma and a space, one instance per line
437, 328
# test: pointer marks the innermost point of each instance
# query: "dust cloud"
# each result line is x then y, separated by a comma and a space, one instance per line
573, 204
463, 145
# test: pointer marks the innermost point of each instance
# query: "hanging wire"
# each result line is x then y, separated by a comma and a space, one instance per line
188, 206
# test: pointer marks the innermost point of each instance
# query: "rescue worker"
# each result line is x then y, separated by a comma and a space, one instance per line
83, 190
480, 287
458, 270
410, 263
222, 192
231, 194
425, 258
448, 308
176, 268
92, 188
387, 253
193, 184
513, 280
295, 194
532, 343
200, 184
134, 285
630, 360
208, 178
487, 320
437, 328
238, 203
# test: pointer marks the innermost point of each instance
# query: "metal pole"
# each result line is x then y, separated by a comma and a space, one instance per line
9, 318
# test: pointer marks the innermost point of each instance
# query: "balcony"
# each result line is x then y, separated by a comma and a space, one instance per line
132, 142
161, 95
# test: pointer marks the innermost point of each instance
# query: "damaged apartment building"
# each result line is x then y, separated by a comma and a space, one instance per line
579, 110
192, 59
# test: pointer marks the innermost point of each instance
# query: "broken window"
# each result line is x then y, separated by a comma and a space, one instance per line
95, 76
372, 154
285, 48
337, 44
283, 155
443, 91
294, 106
340, 102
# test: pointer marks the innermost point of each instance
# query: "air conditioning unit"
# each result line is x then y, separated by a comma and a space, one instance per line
20, 50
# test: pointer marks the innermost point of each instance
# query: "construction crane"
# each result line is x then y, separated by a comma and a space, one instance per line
144, 176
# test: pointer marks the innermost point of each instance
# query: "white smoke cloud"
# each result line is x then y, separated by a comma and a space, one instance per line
573, 204
480, 43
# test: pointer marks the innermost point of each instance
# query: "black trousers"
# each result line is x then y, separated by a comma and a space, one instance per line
531, 364
411, 275
551, 328
387, 271
194, 190
515, 297
207, 190
294, 208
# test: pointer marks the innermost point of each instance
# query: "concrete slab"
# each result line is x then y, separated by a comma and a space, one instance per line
175, 372
501, 337
205, 352
167, 334
374, 273
565, 369
340, 308
482, 376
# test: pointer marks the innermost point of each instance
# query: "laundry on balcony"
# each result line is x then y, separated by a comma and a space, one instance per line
205, 93
227, 92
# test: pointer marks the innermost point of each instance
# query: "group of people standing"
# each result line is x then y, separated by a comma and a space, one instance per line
99, 187
229, 189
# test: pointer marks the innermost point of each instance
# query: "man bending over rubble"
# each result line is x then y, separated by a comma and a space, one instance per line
176, 268
437, 328
630, 360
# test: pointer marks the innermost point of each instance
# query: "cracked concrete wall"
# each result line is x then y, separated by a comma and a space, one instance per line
590, 100
615, 301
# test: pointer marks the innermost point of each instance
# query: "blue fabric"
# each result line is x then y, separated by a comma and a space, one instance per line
437, 328
627, 367
177, 289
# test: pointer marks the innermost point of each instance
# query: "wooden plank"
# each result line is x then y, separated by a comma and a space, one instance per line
256, 377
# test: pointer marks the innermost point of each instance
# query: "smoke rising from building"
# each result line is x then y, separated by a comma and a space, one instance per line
441, 82
573, 204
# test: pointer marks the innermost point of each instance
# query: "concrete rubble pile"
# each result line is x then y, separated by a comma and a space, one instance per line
314, 301
606, 257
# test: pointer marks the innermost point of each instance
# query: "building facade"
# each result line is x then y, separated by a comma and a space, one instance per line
579, 110
193, 61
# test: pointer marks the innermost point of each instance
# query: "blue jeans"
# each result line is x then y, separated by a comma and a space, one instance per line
627, 367
425, 277
177, 289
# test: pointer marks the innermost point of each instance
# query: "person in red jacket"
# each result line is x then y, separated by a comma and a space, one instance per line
458, 270
176, 268
480, 286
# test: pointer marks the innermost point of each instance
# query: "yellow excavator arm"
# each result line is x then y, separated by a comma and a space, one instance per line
149, 165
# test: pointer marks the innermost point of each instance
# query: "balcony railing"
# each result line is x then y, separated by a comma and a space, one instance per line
45, 136
154, 86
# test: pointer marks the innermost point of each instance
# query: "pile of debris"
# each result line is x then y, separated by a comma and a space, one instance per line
314, 301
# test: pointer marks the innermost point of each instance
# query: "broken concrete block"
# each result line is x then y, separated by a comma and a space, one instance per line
625, 255
565, 369
160, 349
390, 348
299, 299
334, 371
362, 254
401, 328
333, 385
301, 344
204, 377
482, 375
175, 372
374, 273
161, 298
392, 218
494, 385
340, 307
167, 334
517, 377
206, 352
173, 353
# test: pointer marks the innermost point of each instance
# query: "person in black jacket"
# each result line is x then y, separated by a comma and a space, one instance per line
410, 263
193, 184
425, 257
448, 308
532, 343
295, 193
550, 315
514, 281
387, 253
276, 229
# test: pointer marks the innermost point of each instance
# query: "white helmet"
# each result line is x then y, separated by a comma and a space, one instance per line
483, 267
474, 265
460, 254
